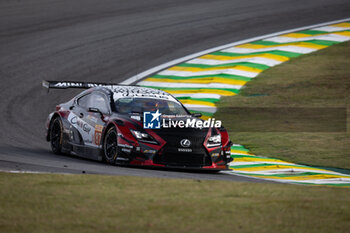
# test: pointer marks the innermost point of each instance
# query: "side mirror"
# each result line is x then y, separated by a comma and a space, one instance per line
197, 114
96, 110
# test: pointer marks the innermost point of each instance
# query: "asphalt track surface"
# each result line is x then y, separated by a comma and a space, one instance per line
110, 41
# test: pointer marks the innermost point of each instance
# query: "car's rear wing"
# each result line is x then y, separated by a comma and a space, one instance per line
74, 84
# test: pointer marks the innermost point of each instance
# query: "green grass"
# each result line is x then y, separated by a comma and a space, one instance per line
265, 117
95, 203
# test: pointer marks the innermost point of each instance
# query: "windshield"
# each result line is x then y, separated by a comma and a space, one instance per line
140, 105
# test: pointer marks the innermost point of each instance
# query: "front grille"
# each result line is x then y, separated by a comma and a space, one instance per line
170, 156
183, 159
173, 143
174, 136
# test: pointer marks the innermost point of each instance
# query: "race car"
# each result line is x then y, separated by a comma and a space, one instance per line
133, 125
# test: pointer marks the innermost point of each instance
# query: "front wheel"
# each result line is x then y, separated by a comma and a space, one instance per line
110, 146
56, 136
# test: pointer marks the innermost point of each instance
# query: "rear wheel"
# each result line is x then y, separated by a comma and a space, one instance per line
56, 136
110, 146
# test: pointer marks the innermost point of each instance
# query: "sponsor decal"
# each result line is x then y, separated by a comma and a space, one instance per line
98, 134
74, 120
68, 84
126, 150
215, 156
149, 151
92, 118
151, 120
184, 149
84, 126
144, 95
99, 128
120, 91
135, 117
138, 91
123, 159
125, 146
78, 84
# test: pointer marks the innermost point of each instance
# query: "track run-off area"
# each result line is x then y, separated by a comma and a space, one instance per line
110, 41
201, 81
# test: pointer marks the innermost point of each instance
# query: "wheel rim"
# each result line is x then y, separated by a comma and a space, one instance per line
111, 145
55, 135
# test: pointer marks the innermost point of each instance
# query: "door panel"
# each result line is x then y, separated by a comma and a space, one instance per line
77, 118
90, 124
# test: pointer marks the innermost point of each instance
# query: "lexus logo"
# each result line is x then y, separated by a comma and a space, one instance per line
185, 143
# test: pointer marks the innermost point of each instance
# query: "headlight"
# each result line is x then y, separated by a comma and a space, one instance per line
143, 137
214, 141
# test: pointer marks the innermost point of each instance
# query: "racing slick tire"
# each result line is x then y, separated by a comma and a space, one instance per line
110, 146
56, 134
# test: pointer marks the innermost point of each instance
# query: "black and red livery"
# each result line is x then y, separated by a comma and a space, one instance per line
105, 122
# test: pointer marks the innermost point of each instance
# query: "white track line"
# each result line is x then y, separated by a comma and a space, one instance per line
285, 39
331, 29
199, 95
288, 48
189, 85
210, 72
259, 60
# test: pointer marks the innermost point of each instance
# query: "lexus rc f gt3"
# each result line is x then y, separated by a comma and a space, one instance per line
107, 122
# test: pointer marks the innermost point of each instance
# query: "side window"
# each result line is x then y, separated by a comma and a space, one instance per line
84, 101
98, 101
